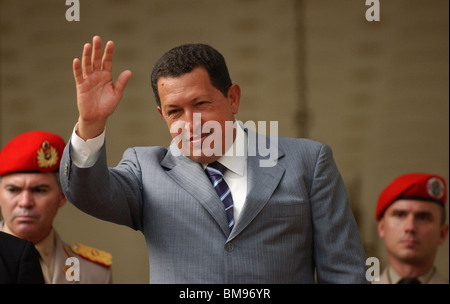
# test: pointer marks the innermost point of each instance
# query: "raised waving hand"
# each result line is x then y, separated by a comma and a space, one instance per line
97, 94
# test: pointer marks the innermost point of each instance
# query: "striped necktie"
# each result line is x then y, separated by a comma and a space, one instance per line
215, 172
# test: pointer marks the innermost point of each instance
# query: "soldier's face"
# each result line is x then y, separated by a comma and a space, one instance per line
29, 202
412, 230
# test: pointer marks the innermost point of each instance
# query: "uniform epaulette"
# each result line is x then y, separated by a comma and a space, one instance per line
92, 254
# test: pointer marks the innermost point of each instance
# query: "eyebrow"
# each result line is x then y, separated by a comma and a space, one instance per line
414, 212
190, 101
32, 187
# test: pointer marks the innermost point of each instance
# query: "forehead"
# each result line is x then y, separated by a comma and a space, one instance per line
198, 77
177, 91
25, 179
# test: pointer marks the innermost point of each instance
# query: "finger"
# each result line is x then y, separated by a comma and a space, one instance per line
108, 56
97, 53
77, 72
86, 60
122, 81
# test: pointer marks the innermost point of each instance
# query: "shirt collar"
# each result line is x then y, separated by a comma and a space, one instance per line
235, 157
395, 277
46, 248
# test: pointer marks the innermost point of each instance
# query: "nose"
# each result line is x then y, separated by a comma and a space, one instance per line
192, 121
26, 200
410, 223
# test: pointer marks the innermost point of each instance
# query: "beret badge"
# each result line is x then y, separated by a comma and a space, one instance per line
47, 155
435, 187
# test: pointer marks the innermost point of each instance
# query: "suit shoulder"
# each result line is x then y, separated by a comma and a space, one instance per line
157, 152
92, 254
150, 149
302, 143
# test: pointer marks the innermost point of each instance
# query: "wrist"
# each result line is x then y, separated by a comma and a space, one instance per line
88, 130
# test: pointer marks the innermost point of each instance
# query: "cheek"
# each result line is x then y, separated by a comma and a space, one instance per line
176, 127
48, 204
390, 228
6, 204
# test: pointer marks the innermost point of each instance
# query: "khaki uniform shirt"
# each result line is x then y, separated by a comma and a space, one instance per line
389, 276
94, 265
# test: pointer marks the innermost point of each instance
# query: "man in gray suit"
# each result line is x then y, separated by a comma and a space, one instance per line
280, 217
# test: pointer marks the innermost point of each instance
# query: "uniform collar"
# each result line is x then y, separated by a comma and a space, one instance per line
46, 248
394, 277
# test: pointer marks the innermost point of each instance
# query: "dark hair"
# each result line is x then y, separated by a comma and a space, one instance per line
184, 58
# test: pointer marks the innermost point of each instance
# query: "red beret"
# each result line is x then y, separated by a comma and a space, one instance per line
413, 186
34, 151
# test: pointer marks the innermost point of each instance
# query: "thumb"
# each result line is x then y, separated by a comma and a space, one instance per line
122, 81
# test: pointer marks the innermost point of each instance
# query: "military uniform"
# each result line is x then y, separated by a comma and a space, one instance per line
413, 186
94, 264
389, 276
40, 152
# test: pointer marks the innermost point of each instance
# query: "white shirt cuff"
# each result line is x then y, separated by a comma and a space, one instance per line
86, 153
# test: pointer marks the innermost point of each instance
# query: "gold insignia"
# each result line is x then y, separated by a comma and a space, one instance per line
92, 254
47, 155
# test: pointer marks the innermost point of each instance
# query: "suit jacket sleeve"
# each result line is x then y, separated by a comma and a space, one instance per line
113, 194
338, 251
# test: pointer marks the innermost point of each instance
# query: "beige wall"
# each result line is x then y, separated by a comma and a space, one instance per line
376, 92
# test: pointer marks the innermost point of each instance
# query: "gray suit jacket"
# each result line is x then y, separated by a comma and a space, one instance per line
296, 219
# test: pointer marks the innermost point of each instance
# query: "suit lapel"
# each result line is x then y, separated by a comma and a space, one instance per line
190, 176
261, 183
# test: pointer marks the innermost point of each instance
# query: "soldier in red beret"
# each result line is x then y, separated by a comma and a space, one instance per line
30, 197
412, 223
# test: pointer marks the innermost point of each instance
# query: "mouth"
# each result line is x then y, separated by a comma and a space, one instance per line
409, 242
25, 218
198, 139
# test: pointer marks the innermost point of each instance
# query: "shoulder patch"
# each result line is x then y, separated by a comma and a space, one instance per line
92, 254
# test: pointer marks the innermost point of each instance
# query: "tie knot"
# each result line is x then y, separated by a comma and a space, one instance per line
216, 168
408, 280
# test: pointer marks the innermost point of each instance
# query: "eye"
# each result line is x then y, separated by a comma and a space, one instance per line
201, 103
173, 112
424, 216
399, 213
12, 190
41, 190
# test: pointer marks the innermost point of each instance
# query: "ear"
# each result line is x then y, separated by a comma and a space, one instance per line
160, 112
234, 97
443, 234
381, 228
62, 199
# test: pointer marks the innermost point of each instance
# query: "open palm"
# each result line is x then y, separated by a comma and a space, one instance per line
97, 95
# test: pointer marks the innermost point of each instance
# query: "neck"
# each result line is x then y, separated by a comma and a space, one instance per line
410, 269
